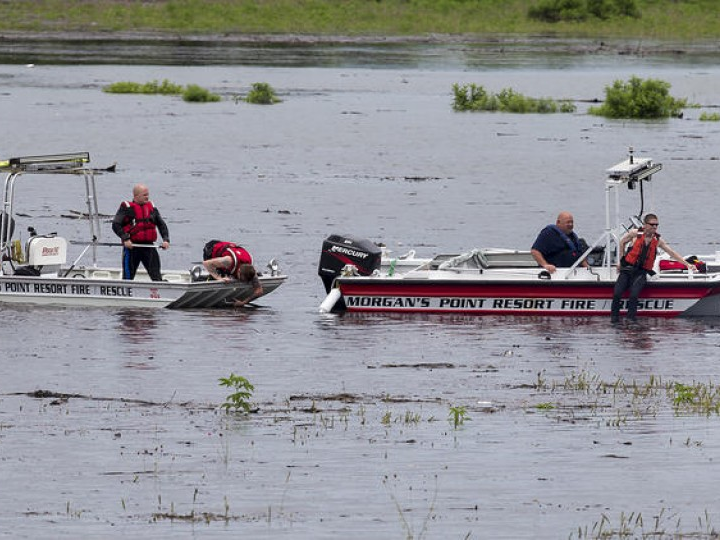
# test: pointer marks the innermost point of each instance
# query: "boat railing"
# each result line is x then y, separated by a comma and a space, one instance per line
54, 164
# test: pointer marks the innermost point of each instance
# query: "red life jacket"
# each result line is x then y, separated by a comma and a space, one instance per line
141, 229
239, 255
634, 253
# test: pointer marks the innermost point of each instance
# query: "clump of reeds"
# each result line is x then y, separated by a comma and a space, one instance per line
710, 117
262, 94
191, 92
153, 87
472, 97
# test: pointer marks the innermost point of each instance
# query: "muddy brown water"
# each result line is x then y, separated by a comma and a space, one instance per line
109, 419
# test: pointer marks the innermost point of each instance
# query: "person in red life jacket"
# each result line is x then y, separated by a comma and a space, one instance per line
227, 262
638, 263
557, 245
137, 223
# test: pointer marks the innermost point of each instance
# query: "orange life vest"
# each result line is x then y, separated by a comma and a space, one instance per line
634, 254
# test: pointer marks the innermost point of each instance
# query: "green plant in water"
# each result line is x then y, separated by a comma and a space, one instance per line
262, 94
471, 97
458, 415
684, 394
243, 390
710, 117
639, 99
545, 406
152, 87
198, 94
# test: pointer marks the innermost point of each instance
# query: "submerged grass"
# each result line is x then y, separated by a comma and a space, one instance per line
634, 525
153, 87
656, 19
643, 398
710, 117
191, 92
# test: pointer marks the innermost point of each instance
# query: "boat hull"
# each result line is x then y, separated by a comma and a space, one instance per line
530, 297
79, 292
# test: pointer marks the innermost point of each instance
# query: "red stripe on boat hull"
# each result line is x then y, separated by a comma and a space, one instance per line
514, 298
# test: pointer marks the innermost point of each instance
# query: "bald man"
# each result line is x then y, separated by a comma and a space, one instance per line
557, 245
137, 223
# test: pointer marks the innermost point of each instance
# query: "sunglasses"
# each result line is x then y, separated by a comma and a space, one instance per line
652, 224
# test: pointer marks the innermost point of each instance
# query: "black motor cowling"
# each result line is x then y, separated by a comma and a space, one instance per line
341, 250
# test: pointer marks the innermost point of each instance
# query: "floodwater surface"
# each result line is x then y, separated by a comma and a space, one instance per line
363, 426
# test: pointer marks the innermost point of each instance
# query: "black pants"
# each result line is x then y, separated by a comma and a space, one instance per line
630, 278
148, 256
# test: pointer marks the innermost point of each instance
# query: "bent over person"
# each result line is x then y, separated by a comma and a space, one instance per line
137, 223
227, 261
637, 264
558, 245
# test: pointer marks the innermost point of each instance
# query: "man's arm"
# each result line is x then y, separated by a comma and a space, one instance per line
162, 228
674, 254
257, 291
218, 263
626, 238
540, 259
119, 221
541, 243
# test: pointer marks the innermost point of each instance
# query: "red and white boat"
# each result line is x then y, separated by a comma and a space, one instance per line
360, 276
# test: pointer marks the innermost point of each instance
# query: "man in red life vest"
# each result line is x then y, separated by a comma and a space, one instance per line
228, 262
635, 266
137, 223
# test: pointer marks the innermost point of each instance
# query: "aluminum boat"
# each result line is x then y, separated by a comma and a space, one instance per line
38, 271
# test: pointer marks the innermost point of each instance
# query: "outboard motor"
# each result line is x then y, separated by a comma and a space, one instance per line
339, 251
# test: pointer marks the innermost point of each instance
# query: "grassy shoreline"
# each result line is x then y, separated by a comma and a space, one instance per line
440, 20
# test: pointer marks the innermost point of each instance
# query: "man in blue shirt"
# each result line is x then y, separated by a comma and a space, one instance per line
557, 245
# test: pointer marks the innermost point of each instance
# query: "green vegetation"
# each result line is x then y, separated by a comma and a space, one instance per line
710, 117
471, 97
458, 415
696, 398
660, 19
152, 87
554, 11
262, 94
660, 525
192, 92
545, 406
644, 398
638, 98
238, 400
197, 94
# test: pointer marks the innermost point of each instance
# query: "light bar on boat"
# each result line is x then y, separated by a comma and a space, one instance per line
48, 162
633, 170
